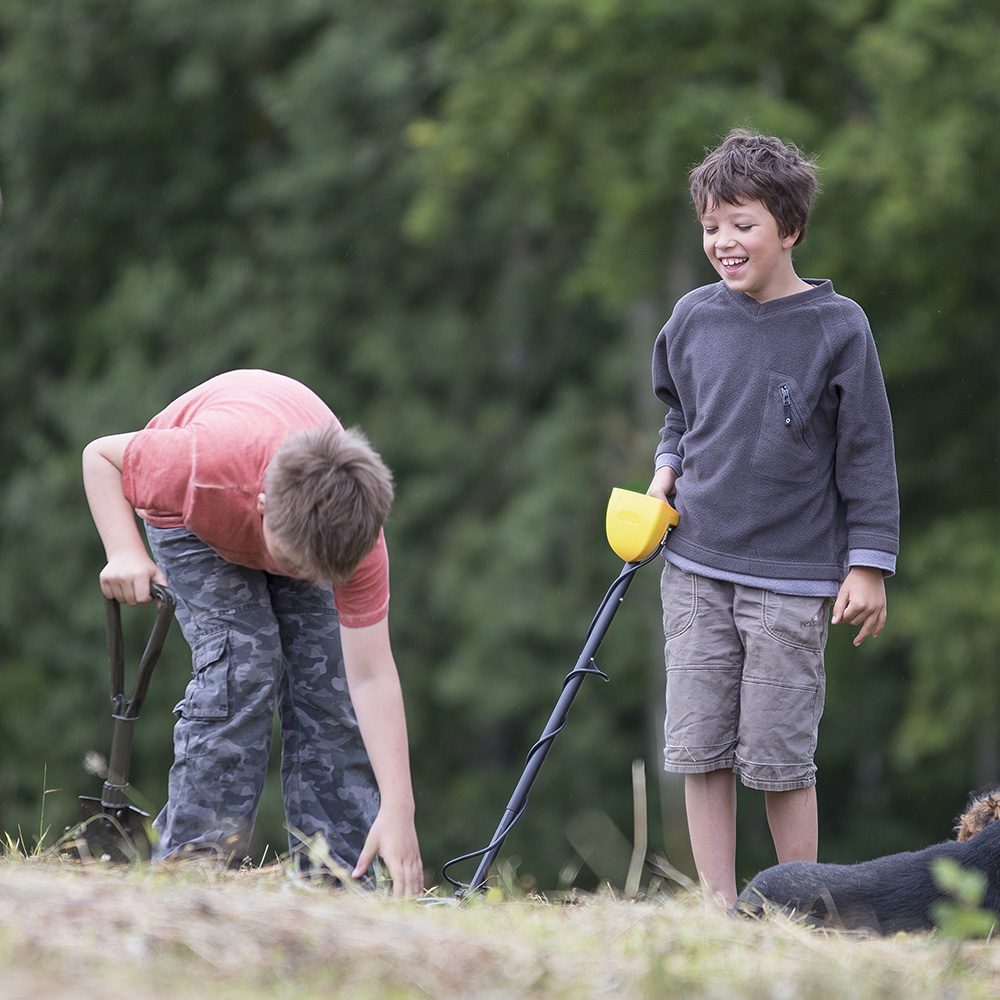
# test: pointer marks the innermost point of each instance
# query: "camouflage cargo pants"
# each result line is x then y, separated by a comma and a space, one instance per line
258, 642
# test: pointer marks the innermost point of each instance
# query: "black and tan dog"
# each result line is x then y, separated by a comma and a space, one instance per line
886, 895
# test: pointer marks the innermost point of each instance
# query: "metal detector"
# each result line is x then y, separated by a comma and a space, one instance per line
637, 526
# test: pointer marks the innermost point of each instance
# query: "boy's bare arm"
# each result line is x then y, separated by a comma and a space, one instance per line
861, 601
373, 682
129, 571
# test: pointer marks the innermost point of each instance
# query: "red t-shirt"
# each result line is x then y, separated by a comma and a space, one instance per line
200, 464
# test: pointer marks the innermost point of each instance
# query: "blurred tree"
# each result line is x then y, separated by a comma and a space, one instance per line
902, 224
463, 224
160, 229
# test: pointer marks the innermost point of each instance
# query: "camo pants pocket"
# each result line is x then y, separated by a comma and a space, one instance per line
207, 693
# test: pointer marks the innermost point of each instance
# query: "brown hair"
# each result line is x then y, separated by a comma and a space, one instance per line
749, 167
328, 494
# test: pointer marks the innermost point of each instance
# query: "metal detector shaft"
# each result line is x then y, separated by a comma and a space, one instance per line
557, 720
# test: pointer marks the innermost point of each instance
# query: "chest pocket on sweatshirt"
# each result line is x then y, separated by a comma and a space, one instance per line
785, 451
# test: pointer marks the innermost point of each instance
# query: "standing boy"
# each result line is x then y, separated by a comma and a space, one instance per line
778, 445
255, 500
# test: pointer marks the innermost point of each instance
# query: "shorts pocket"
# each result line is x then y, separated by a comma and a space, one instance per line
207, 694
679, 595
796, 621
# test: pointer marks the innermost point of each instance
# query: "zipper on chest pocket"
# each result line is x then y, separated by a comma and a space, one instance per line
792, 418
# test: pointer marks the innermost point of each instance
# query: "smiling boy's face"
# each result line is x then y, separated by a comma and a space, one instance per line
746, 249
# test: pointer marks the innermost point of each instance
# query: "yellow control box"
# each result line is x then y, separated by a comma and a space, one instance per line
636, 523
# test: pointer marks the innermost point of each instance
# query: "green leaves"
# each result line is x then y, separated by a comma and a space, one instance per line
961, 915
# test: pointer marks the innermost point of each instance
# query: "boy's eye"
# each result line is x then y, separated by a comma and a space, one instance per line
711, 229
744, 227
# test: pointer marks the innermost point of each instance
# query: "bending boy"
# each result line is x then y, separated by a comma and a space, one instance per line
255, 501
778, 446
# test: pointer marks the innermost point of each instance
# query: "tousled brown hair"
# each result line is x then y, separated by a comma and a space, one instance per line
749, 167
328, 493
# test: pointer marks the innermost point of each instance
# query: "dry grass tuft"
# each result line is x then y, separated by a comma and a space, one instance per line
92, 931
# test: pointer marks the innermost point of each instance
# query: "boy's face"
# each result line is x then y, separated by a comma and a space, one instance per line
744, 246
281, 555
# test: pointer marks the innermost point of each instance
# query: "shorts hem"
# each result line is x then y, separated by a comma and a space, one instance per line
776, 786
763, 784
694, 767
749, 780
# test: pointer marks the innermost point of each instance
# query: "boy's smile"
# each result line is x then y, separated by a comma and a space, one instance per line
745, 248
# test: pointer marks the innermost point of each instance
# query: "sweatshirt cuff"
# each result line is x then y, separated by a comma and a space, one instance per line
884, 561
667, 458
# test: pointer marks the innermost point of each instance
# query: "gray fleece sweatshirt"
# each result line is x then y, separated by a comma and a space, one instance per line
779, 425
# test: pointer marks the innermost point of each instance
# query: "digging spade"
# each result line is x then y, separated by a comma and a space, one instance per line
111, 827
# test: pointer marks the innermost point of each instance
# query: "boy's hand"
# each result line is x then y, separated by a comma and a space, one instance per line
127, 579
862, 601
664, 481
395, 840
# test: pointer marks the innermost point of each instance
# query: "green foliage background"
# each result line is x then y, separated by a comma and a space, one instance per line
463, 222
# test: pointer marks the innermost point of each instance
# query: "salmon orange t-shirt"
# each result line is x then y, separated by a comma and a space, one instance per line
200, 464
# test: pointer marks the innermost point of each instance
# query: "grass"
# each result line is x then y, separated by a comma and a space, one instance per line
82, 931
90, 930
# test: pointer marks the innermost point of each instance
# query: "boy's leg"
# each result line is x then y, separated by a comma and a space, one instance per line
710, 800
222, 738
784, 686
327, 781
792, 817
704, 662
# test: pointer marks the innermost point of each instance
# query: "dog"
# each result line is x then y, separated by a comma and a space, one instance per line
886, 895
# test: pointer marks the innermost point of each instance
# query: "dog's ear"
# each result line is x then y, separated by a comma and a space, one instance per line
965, 830
980, 813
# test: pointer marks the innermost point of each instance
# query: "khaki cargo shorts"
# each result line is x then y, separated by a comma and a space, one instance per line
745, 680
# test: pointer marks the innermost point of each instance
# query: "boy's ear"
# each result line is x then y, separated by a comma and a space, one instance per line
261, 504
791, 239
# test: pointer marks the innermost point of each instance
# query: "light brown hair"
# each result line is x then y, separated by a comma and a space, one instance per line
749, 167
328, 495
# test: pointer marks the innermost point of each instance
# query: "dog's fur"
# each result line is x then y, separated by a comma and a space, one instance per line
980, 812
886, 895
